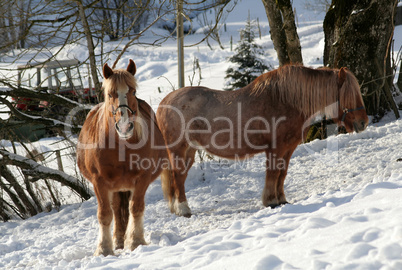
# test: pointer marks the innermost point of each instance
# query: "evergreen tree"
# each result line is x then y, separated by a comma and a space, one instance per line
247, 64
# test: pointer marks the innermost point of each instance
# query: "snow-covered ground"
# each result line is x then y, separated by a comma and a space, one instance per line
345, 192
345, 213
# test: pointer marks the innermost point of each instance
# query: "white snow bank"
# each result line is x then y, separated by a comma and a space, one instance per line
345, 213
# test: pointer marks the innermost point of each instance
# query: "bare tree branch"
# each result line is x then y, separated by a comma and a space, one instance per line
37, 171
128, 44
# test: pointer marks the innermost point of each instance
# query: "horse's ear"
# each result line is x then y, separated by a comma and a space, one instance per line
342, 76
131, 67
107, 71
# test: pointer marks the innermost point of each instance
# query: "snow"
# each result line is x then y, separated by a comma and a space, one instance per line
345, 192
345, 213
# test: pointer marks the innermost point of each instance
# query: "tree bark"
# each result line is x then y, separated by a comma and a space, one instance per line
354, 39
91, 47
278, 35
289, 25
283, 31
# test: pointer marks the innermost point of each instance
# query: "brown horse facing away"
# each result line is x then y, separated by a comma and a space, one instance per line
115, 137
269, 115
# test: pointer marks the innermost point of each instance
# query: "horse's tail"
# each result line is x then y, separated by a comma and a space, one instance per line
121, 213
167, 182
124, 206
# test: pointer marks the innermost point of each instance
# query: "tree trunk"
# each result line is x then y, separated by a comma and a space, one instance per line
292, 38
283, 31
354, 39
278, 35
91, 47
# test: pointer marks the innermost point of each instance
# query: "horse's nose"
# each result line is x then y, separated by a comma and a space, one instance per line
360, 125
364, 124
124, 129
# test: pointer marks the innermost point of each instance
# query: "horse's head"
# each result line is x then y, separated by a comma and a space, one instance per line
351, 111
120, 89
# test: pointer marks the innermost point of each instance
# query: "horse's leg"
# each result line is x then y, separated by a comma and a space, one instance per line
135, 228
273, 172
105, 216
276, 171
181, 166
269, 195
284, 164
280, 191
120, 213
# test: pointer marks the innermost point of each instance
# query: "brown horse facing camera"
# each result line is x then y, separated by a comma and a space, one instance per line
115, 134
269, 115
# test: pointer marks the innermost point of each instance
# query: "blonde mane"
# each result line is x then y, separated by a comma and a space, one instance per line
308, 90
119, 79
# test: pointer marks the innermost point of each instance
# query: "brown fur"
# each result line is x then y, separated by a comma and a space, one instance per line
274, 108
309, 90
104, 159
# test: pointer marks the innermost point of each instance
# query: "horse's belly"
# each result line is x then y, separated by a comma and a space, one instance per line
230, 148
232, 142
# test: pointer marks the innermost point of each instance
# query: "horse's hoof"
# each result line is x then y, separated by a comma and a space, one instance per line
103, 251
272, 206
119, 244
136, 243
182, 209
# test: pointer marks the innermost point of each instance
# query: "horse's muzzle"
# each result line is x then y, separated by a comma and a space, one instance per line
359, 126
124, 129
125, 126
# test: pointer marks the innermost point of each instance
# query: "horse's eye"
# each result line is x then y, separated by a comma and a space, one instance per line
133, 93
110, 95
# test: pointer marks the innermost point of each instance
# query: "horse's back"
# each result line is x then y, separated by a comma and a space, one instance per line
181, 106
191, 102
188, 95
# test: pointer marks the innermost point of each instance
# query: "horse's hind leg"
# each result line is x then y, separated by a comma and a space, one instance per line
181, 165
276, 171
105, 216
121, 214
283, 165
270, 196
135, 228
269, 193
280, 191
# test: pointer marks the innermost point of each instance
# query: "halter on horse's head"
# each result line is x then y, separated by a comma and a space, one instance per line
352, 117
120, 89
